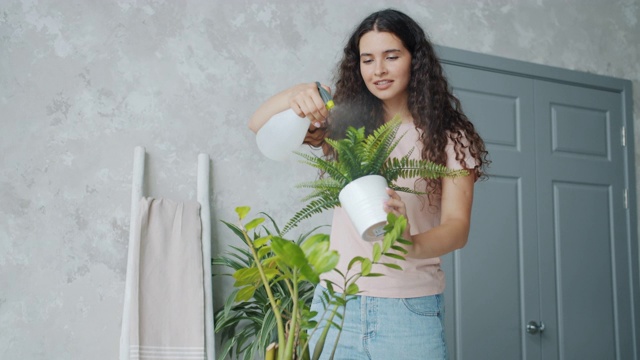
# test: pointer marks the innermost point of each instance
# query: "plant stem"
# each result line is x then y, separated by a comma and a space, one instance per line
320, 321
344, 313
323, 336
267, 287
288, 352
272, 351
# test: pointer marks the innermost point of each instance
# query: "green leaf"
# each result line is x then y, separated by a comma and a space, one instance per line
354, 260
317, 242
226, 347
400, 249
260, 242
366, 267
339, 273
309, 274
242, 211
273, 222
236, 230
404, 242
289, 252
352, 289
253, 223
246, 276
270, 273
245, 294
264, 251
394, 256
393, 230
374, 275
318, 254
377, 252
327, 262
393, 266
339, 301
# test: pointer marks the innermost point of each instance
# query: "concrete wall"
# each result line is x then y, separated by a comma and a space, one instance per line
83, 82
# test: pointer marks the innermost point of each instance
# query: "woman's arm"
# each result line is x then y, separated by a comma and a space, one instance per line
455, 219
303, 99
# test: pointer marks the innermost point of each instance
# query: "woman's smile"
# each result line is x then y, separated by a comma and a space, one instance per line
383, 84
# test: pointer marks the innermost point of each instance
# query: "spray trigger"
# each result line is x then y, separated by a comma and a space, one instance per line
326, 97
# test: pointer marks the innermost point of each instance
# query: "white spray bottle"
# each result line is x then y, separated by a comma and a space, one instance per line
285, 131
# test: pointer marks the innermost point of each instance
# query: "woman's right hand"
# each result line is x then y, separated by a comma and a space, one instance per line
305, 101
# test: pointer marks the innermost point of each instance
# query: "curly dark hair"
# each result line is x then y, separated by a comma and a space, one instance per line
434, 109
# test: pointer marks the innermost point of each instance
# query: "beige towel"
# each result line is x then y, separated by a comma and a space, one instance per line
167, 303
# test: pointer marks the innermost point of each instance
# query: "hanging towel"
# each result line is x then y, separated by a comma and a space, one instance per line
166, 307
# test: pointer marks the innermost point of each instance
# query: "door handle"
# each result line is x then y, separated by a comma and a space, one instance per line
534, 328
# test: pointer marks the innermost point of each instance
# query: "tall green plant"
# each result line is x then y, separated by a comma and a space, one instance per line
274, 278
357, 156
248, 327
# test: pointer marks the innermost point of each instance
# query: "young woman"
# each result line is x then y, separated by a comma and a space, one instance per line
390, 68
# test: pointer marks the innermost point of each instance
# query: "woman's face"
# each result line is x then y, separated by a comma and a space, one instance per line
385, 65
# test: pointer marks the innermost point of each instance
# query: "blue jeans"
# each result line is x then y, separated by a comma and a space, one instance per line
385, 328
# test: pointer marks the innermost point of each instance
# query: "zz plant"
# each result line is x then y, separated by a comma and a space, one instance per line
357, 156
274, 280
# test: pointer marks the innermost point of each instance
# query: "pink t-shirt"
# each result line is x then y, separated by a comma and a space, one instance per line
419, 277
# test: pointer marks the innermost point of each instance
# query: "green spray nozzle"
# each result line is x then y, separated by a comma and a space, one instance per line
326, 97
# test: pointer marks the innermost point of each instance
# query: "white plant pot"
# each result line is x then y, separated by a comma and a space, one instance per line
363, 200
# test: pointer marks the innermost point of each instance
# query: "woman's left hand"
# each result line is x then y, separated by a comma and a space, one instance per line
396, 206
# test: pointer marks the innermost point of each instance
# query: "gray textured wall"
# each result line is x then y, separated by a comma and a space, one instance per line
83, 82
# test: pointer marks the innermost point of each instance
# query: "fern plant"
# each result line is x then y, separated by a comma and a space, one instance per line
357, 156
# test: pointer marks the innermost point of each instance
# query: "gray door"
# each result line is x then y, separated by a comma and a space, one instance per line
584, 258
492, 284
548, 238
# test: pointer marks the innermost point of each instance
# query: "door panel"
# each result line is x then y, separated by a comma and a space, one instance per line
580, 131
488, 298
492, 284
583, 271
581, 224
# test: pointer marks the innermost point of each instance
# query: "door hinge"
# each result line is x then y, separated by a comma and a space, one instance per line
623, 133
625, 198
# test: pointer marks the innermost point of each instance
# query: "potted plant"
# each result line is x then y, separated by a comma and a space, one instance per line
274, 280
275, 277
358, 176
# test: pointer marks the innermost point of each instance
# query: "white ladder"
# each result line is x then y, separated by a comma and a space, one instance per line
137, 193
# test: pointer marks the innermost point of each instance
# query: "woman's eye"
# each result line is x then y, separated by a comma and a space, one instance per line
367, 61
392, 57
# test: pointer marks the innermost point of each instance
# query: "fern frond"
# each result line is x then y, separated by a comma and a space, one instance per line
354, 135
332, 168
322, 183
350, 153
410, 168
322, 188
314, 207
349, 158
406, 189
378, 146
322, 193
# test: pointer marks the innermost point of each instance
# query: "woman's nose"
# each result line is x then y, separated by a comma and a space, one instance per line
380, 69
